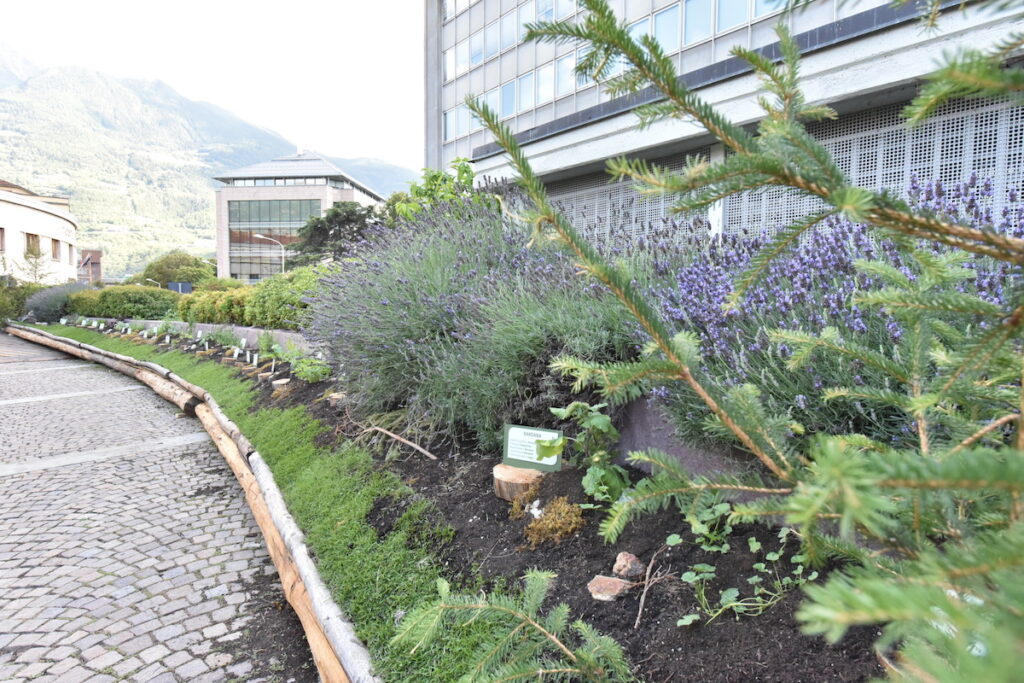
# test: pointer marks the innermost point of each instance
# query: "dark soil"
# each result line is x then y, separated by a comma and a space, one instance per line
274, 641
768, 647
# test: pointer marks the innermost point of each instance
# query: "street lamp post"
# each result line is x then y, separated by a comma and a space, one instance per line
271, 239
154, 282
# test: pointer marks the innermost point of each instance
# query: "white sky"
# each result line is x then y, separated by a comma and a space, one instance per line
342, 77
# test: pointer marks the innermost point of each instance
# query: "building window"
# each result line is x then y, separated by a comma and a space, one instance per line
508, 99
731, 13
508, 30
526, 16
3, 243
565, 79
526, 92
55, 250
71, 255
666, 29
545, 84
32, 244
697, 22
763, 7
492, 40
564, 8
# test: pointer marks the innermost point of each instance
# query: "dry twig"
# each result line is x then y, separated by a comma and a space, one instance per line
396, 437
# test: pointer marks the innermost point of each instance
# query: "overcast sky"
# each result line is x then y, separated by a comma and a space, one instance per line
343, 77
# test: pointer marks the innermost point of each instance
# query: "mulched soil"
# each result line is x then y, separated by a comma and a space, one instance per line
768, 647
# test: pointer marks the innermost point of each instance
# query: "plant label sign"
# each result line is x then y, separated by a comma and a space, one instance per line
522, 448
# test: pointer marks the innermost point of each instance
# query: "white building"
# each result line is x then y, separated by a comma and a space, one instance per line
37, 236
273, 199
863, 57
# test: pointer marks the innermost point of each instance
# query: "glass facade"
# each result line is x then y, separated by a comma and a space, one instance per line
252, 258
482, 52
282, 182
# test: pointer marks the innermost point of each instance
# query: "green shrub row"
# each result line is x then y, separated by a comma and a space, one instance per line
127, 301
276, 303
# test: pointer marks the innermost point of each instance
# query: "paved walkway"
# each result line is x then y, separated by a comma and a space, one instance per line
127, 551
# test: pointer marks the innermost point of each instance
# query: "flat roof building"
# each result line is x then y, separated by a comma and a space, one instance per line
38, 236
273, 200
863, 57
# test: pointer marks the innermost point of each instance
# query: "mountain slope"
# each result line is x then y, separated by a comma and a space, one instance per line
135, 157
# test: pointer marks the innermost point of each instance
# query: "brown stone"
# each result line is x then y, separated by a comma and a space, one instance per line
263, 376
628, 566
278, 383
608, 588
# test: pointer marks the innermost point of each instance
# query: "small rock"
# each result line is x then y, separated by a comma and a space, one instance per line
263, 376
281, 382
608, 588
629, 566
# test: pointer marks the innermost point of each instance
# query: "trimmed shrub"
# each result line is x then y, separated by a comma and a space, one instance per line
218, 306
133, 301
48, 305
12, 300
277, 302
86, 303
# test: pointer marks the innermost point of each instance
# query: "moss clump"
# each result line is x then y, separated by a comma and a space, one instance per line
521, 502
561, 519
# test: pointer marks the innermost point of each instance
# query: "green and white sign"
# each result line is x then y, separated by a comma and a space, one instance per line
523, 450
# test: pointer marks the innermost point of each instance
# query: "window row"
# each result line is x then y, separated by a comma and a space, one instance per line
559, 78
502, 34
682, 23
33, 248
273, 211
271, 182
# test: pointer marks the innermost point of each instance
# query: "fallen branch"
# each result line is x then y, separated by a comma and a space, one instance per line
396, 437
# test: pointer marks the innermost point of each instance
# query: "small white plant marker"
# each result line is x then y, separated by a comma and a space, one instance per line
273, 364
255, 359
235, 355
206, 345
248, 357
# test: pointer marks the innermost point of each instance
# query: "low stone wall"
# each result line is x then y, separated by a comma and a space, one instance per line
250, 334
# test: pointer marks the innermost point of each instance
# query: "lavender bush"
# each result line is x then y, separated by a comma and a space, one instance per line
452, 318
810, 289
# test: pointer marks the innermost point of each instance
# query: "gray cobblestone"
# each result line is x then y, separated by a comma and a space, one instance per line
127, 566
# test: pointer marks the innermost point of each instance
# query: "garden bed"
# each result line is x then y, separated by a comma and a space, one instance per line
486, 548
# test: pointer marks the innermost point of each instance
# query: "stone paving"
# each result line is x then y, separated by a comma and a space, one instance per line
126, 546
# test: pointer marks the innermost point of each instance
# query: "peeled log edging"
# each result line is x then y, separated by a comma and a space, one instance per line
339, 655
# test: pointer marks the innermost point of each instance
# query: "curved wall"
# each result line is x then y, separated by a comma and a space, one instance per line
26, 220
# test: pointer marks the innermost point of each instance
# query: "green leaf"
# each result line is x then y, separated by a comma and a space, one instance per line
753, 544
728, 596
688, 619
673, 539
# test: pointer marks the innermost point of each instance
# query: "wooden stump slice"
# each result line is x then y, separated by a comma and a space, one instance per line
510, 482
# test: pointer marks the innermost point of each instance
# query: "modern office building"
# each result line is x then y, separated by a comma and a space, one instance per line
260, 209
863, 57
38, 235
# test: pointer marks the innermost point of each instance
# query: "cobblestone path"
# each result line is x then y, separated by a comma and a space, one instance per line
127, 551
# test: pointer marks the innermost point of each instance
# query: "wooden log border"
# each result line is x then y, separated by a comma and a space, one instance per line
339, 654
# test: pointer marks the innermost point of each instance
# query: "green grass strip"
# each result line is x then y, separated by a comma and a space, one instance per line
329, 493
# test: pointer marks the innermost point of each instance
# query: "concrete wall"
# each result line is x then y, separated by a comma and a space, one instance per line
21, 215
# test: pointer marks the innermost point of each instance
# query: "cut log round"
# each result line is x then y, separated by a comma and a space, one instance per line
511, 482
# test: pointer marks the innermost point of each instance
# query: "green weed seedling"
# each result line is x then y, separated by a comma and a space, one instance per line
604, 481
710, 524
771, 582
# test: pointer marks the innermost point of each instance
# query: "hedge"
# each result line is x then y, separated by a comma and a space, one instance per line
128, 301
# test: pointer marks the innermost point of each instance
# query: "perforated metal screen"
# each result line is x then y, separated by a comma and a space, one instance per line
876, 149
873, 147
594, 205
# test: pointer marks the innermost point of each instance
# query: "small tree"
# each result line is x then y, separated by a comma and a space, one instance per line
438, 186
37, 265
176, 266
332, 235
